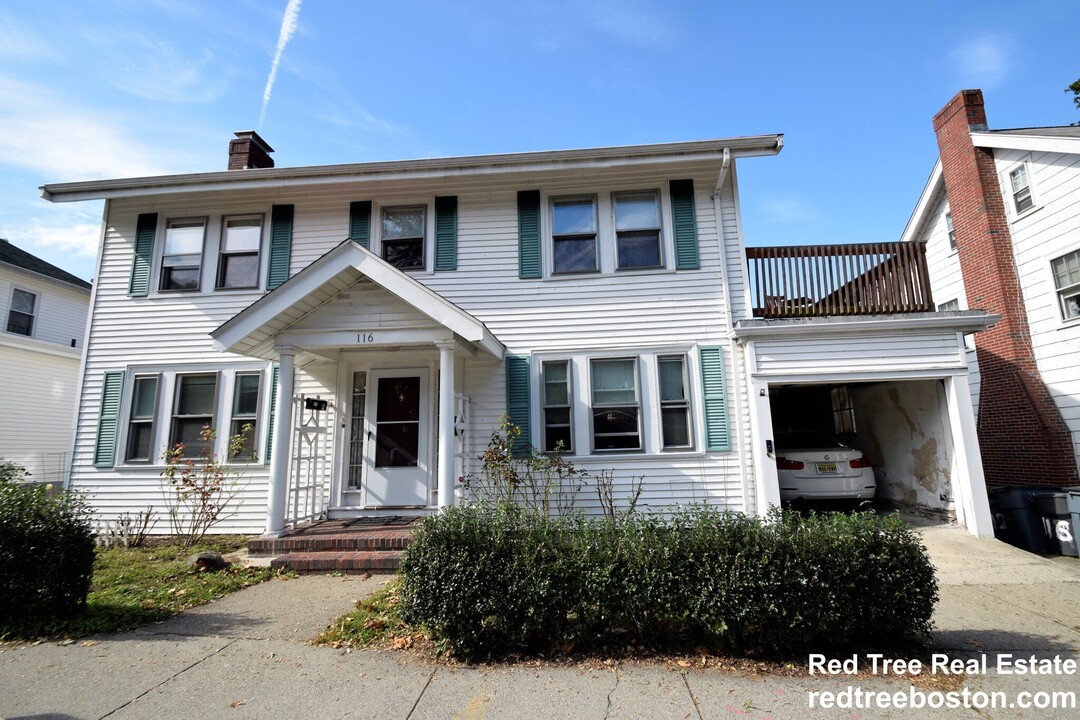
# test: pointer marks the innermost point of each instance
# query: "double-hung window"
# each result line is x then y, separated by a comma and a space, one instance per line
637, 230
1021, 189
181, 260
403, 236
140, 436
21, 312
616, 405
573, 235
238, 259
558, 427
951, 231
674, 402
193, 410
1066, 271
245, 413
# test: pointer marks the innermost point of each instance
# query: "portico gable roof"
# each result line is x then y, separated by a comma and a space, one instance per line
253, 330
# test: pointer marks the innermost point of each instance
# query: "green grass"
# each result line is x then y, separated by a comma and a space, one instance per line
374, 623
136, 586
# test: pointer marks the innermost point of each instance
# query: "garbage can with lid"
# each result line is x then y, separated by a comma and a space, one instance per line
1015, 519
1053, 509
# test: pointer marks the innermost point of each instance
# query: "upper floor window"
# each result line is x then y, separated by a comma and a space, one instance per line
1066, 271
952, 232
1021, 189
181, 260
573, 235
403, 236
637, 230
238, 259
21, 312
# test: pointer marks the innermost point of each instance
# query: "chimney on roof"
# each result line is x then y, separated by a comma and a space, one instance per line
249, 150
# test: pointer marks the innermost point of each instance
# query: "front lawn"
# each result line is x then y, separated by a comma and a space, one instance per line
136, 586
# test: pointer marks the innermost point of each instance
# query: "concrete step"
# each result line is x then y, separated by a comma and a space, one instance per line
373, 561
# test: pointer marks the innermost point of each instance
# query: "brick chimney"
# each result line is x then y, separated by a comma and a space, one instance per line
249, 150
1023, 438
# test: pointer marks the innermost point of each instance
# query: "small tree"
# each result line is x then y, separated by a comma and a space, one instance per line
199, 491
12, 472
1075, 90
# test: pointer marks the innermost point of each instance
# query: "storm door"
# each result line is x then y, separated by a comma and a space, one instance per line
398, 435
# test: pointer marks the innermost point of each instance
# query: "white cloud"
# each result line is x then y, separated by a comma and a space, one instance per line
982, 61
288, 27
19, 40
789, 209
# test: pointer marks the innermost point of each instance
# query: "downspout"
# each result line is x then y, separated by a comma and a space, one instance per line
733, 348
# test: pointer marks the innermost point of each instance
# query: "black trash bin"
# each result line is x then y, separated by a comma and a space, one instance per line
1016, 520
1053, 510
1073, 501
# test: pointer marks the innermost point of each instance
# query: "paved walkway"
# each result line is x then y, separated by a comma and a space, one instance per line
245, 656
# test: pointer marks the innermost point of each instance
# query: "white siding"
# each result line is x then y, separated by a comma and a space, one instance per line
1049, 231
60, 312
858, 353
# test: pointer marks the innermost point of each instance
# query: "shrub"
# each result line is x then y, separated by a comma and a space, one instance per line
489, 581
12, 472
46, 553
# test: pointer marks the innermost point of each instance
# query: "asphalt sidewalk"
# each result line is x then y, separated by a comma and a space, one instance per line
246, 656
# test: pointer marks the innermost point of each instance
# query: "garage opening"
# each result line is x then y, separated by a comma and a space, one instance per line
901, 429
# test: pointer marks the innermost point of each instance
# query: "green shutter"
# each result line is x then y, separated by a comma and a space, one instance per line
273, 410
446, 233
360, 222
139, 285
529, 234
517, 400
108, 419
714, 401
682, 211
281, 225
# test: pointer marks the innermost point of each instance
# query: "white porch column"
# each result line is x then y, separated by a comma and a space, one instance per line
969, 483
278, 495
446, 425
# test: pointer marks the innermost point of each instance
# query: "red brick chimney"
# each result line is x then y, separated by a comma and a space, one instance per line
249, 150
1023, 438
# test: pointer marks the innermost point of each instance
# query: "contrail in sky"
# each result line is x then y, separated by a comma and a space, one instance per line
288, 27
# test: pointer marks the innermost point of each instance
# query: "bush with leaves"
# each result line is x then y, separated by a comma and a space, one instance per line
46, 553
12, 472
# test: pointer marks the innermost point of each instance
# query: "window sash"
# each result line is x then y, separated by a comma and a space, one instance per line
245, 411
951, 231
181, 259
558, 413
21, 312
238, 261
574, 235
404, 229
616, 405
188, 417
1021, 189
674, 385
140, 437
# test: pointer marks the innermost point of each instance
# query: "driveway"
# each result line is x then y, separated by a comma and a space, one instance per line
246, 656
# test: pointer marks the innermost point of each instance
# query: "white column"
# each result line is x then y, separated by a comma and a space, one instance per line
446, 425
969, 485
278, 495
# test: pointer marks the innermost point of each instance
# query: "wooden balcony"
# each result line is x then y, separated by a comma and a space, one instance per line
816, 280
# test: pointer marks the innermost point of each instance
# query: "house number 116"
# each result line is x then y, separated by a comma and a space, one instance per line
365, 338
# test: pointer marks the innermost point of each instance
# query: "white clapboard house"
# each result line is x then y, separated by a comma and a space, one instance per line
373, 322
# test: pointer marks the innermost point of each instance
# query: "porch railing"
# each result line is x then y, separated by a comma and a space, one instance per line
309, 476
861, 279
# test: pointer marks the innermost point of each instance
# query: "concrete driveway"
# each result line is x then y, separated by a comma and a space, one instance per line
246, 656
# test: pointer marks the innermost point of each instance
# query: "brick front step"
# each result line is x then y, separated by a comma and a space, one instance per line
385, 540
385, 561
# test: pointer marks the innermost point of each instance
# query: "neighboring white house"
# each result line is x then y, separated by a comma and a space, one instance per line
375, 320
1000, 217
44, 310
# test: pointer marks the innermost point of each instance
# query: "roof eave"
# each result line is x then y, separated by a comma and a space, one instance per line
1031, 143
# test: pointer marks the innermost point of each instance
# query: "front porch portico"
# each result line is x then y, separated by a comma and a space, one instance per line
396, 347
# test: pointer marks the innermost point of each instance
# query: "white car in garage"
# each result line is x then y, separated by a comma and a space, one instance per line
817, 466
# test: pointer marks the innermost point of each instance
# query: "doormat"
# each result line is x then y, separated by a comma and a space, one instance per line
378, 521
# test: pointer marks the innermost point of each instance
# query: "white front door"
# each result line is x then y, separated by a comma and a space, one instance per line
398, 420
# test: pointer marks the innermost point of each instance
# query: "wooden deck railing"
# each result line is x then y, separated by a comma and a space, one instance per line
862, 279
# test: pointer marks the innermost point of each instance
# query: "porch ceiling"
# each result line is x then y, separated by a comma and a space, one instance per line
253, 331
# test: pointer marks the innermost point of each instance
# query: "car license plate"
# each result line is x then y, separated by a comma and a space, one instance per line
826, 468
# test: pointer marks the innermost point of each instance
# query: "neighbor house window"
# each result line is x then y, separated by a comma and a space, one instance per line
616, 405
573, 235
140, 437
949, 306
1067, 282
193, 409
637, 229
952, 233
403, 236
1021, 189
674, 402
245, 412
238, 261
21, 312
181, 260
558, 429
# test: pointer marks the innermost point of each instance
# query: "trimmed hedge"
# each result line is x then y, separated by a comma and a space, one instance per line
46, 554
492, 581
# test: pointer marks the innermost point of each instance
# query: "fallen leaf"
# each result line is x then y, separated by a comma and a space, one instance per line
89, 643
237, 703
366, 576
683, 663
67, 641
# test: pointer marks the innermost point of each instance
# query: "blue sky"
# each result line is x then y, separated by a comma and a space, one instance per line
127, 88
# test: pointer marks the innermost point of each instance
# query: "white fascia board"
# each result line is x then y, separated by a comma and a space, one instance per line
1037, 143
919, 215
963, 321
703, 150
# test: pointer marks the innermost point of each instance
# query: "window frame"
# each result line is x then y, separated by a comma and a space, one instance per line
425, 239
1013, 210
150, 421
555, 238
685, 403
223, 254
32, 314
161, 260
1062, 294
174, 413
568, 406
246, 455
594, 405
950, 232
659, 229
